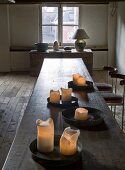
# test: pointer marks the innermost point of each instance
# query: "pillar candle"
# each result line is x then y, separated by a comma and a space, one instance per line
66, 94
54, 96
81, 114
75, 77
45, 135
81, 81
68, 141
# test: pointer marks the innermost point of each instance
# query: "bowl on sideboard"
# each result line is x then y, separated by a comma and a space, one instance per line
42, 47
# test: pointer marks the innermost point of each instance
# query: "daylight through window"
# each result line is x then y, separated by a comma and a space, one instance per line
59, 23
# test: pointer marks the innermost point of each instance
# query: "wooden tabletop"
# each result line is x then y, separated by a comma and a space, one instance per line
103, 149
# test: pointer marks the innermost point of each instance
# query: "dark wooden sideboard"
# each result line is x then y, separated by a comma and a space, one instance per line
103, 148
37, 58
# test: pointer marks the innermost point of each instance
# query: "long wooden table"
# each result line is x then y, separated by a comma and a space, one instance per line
103, 149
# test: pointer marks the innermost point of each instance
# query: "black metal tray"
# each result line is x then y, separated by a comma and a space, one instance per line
88, 87
95, 118
54, 158
72, 103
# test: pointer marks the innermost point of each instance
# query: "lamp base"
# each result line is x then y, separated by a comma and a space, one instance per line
80, 45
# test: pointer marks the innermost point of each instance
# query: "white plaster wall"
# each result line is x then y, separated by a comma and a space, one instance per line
112, 18
4, 39
100, 59
24, 31
24, 25
120, 39
94, 19
100, 25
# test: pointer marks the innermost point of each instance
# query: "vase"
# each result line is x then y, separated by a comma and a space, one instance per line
80, 45
55, 46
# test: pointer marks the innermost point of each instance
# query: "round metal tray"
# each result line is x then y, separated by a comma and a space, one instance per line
95, 117
54, 158
72, 103
88, 87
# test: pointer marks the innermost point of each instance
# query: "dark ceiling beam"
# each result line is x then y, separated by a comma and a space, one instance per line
7, 1
61, 1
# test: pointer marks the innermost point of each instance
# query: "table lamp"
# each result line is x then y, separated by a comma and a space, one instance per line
80, 35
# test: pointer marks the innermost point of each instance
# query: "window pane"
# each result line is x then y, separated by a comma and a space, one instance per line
70, 15
68, 32
50, 15
49, 33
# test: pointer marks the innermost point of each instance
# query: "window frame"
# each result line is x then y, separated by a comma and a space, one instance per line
60, 22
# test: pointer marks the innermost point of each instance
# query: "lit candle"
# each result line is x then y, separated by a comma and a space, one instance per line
45, 135
68, 141
54, 96
75, 77
81, 81
66, 94
81, 114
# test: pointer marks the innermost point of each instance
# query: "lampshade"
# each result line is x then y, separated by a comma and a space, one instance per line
80, 34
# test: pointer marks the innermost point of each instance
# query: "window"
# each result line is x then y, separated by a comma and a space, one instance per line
59, 23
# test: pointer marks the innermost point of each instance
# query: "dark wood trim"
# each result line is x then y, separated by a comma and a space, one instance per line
62, 1
20, 48
99, 49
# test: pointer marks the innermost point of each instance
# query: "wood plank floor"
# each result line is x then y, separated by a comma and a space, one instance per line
15, 91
